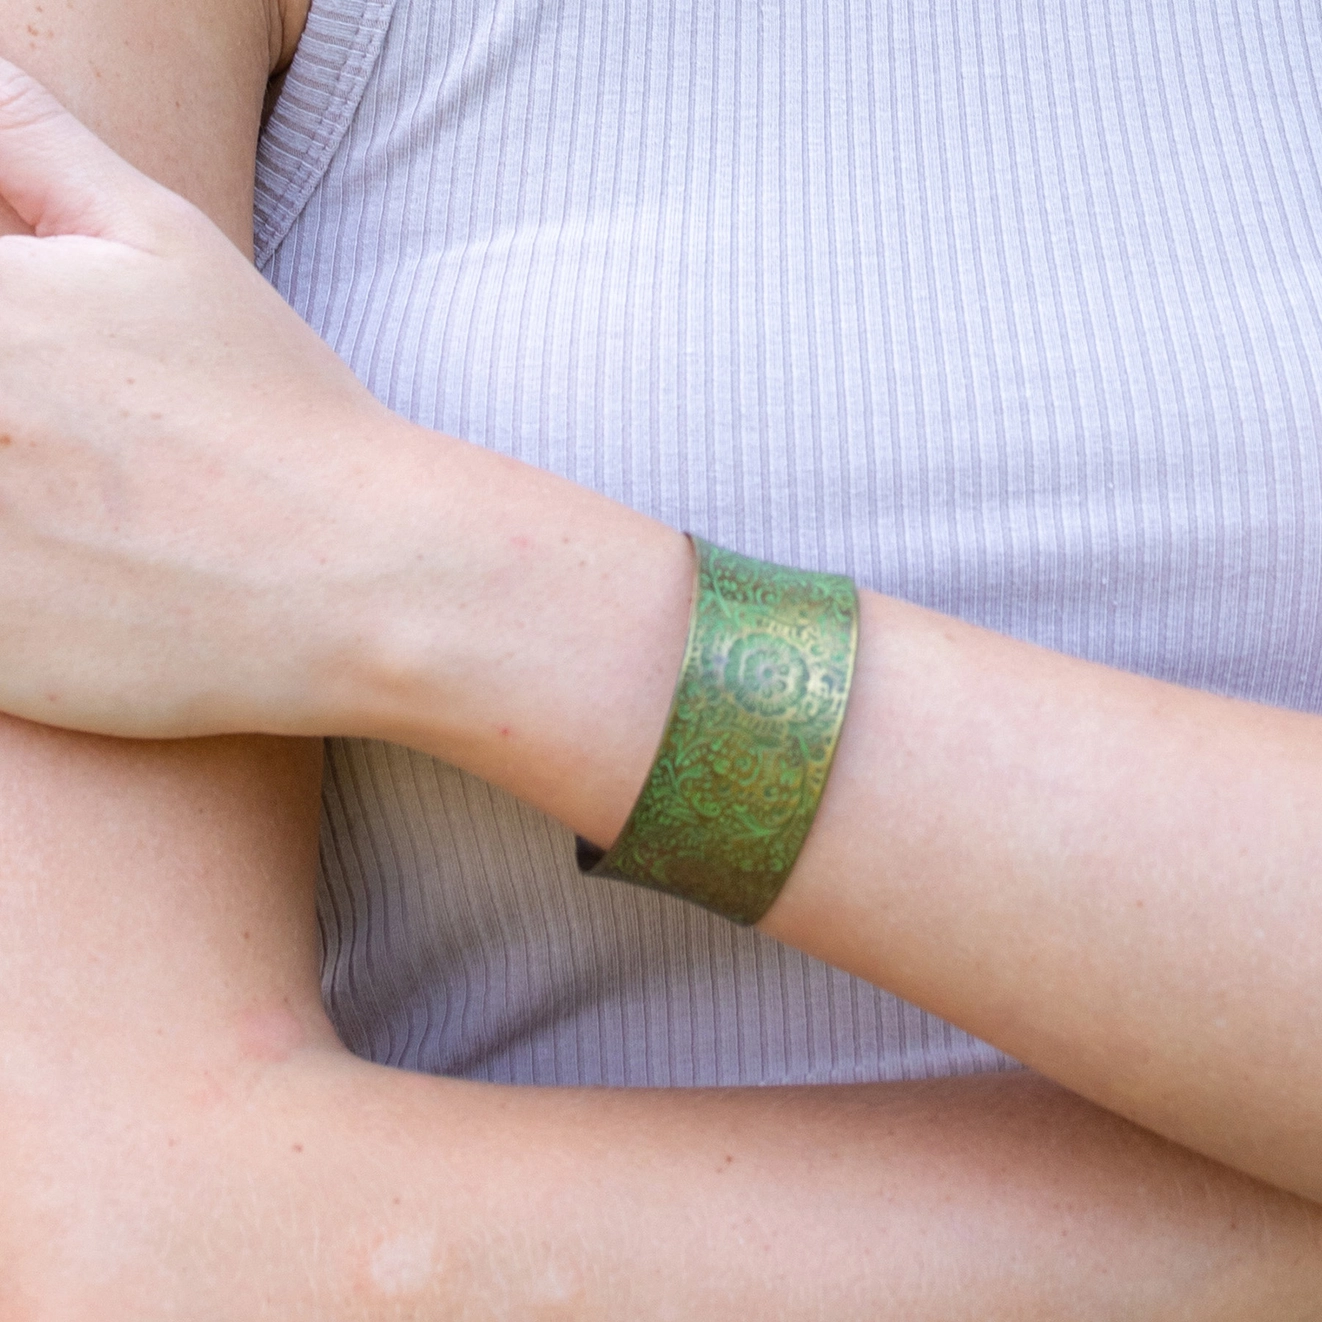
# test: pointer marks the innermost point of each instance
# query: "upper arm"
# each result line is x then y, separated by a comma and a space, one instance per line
175, 86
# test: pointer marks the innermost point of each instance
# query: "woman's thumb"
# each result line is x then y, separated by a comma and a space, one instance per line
58, 175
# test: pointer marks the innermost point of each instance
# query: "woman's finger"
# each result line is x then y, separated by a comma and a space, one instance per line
60, 178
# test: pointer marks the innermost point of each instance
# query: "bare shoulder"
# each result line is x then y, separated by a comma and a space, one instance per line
176, 86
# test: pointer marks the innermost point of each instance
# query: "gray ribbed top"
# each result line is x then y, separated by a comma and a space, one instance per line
1011, 309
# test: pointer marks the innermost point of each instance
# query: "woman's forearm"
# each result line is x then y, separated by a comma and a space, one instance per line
995, 1198
1112, 878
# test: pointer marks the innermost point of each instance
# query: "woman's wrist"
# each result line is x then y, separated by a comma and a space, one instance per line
509, 622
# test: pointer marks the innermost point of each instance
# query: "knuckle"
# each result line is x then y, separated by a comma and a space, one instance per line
24, 102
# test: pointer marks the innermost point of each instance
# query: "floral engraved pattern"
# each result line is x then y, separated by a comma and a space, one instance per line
752, 730
765, 674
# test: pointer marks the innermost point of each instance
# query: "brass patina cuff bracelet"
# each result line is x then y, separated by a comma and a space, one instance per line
752, 729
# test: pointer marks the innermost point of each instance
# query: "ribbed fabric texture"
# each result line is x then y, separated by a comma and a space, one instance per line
1011, 309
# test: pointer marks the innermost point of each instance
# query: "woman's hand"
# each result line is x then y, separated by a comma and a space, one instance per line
174, 443
208, 526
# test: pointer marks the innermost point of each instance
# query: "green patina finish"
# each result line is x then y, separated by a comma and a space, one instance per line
748, 744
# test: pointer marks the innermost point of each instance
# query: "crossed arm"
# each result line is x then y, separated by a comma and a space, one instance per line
184, 1135
184, 1138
